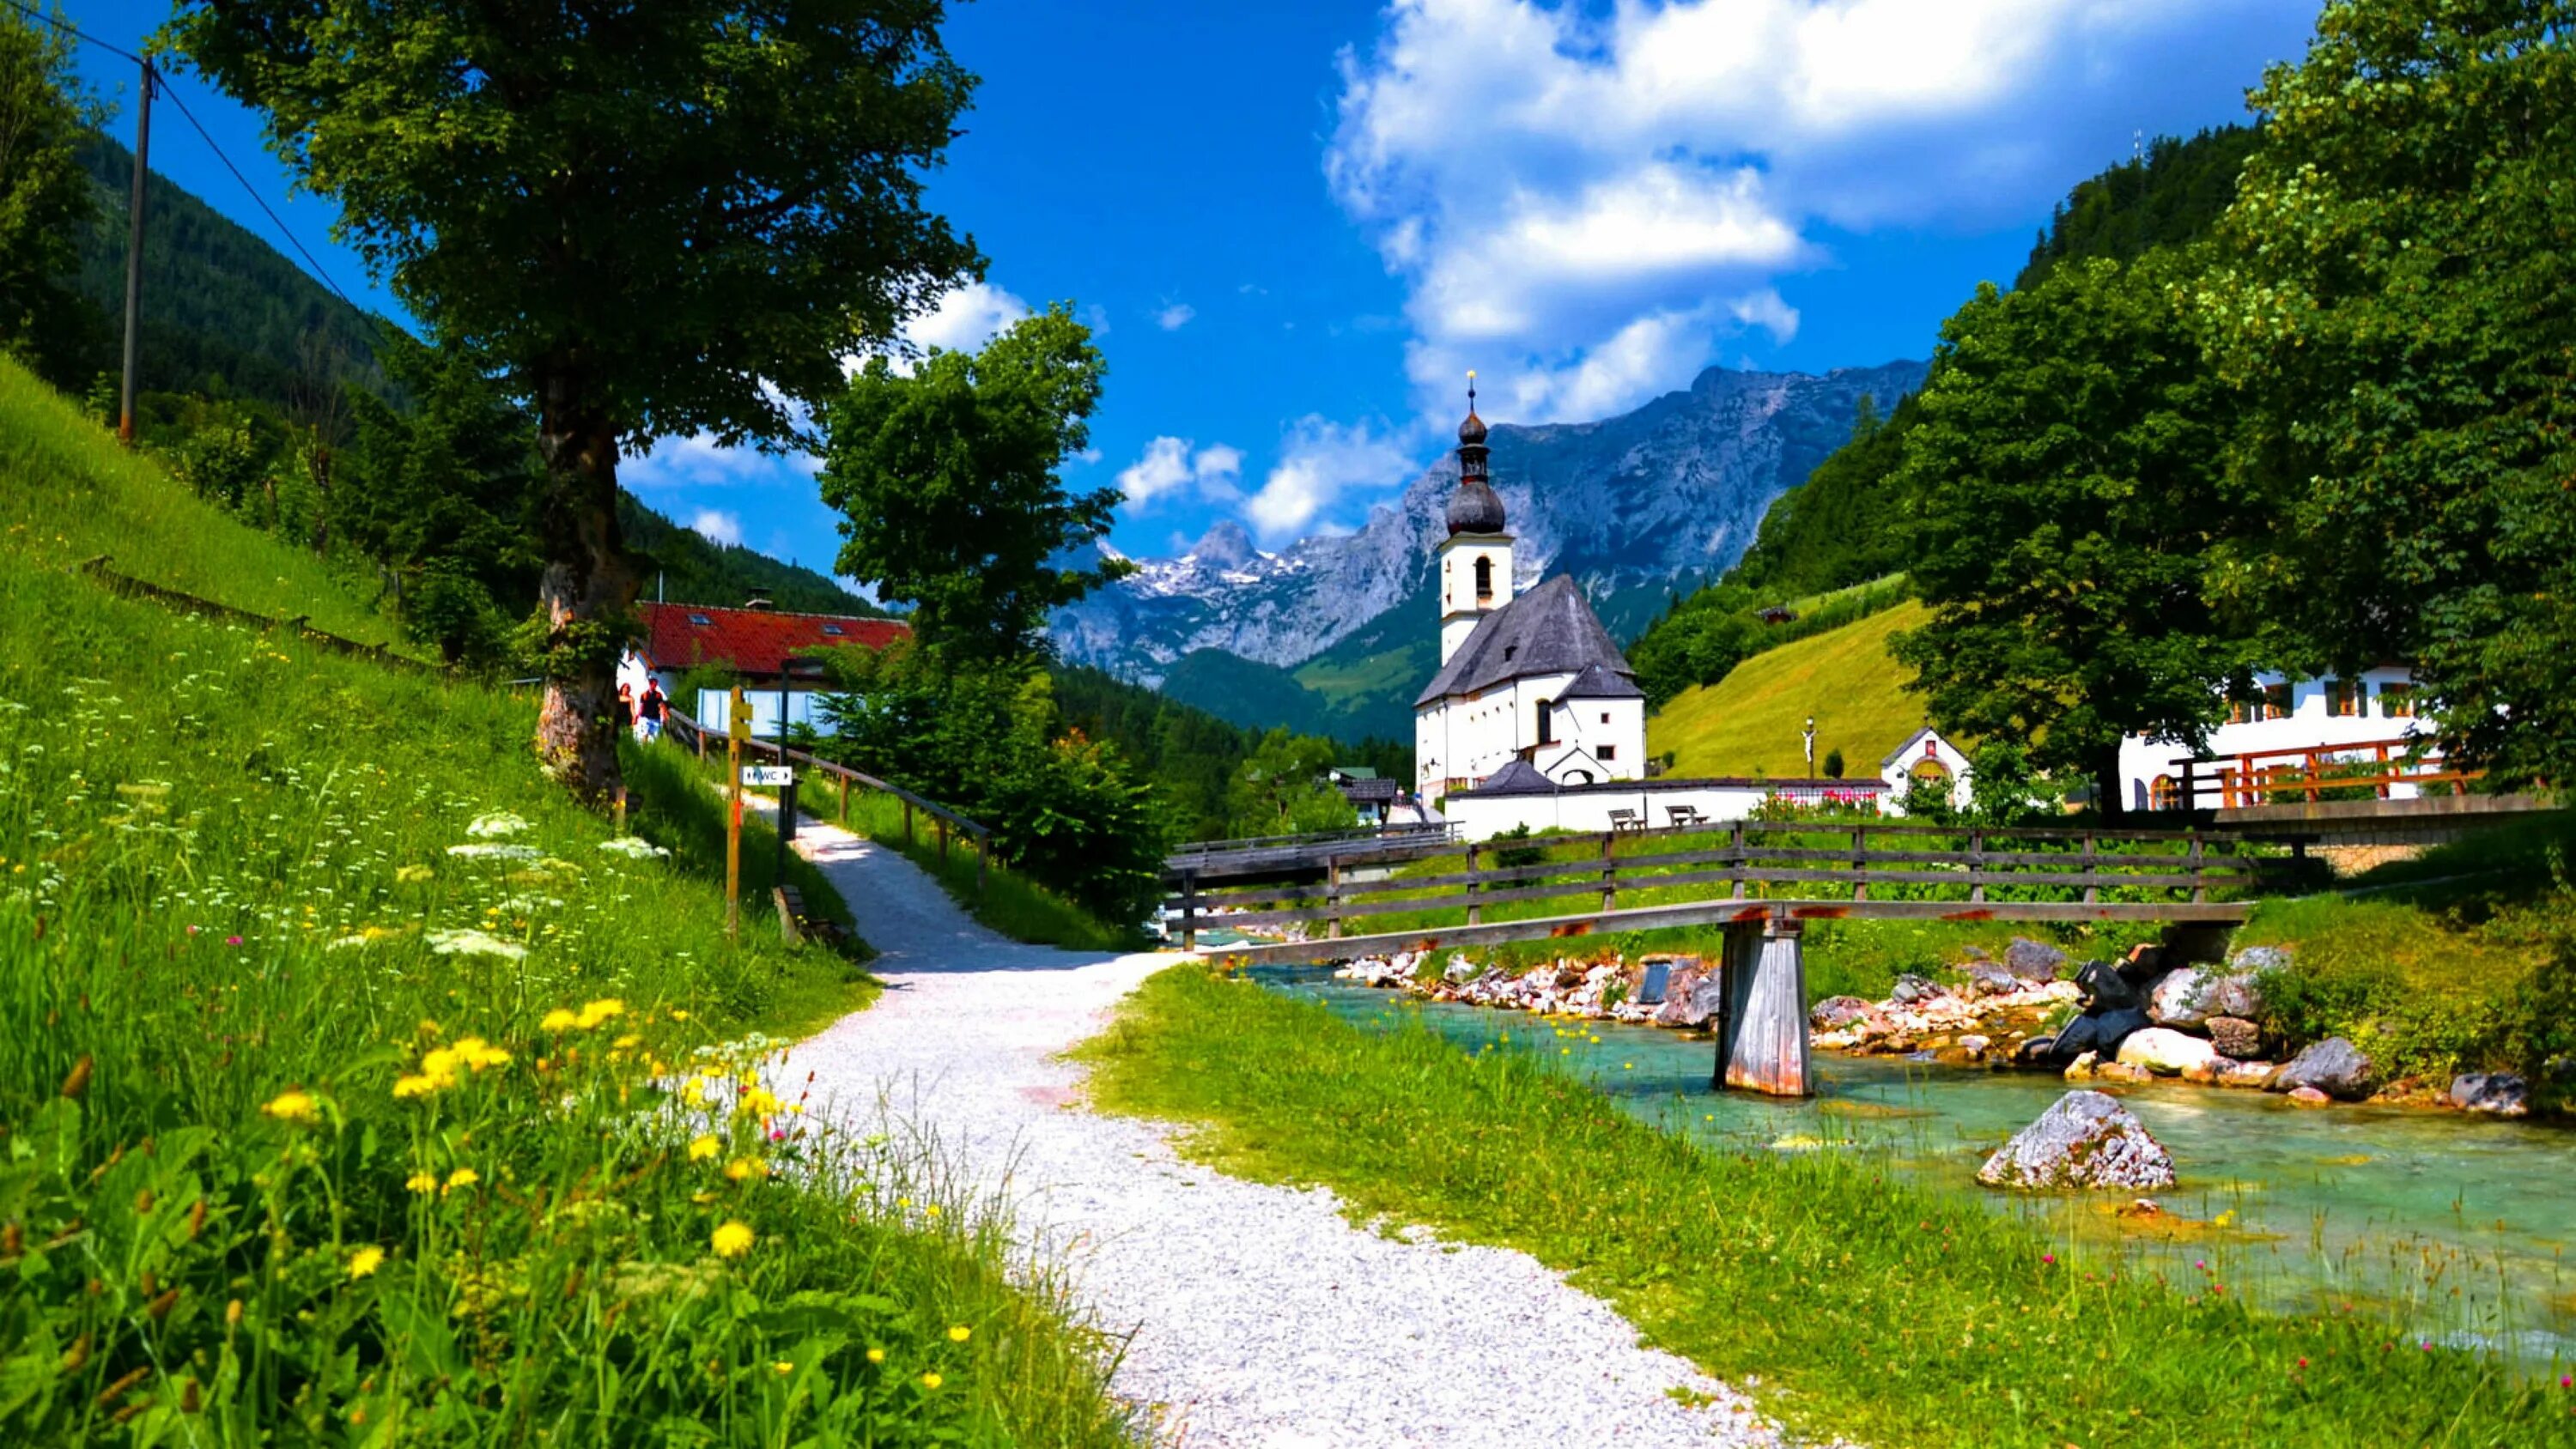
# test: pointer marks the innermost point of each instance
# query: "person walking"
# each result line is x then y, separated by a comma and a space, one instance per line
651, 709
625, 708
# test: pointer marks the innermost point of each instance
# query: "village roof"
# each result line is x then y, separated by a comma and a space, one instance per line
1366, 790
1549, 630
1906, 749
1596, 682
1516, 777
755, 642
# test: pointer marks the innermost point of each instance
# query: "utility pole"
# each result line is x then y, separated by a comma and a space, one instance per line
738, 731
134, 252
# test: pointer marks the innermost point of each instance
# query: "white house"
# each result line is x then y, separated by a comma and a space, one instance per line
2297, 725
1925, 756
1534, 679
760, 645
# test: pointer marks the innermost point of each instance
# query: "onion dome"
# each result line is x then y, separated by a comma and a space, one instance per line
1475, 508
1471, 431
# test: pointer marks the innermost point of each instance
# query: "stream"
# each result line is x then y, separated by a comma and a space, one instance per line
2460, 1224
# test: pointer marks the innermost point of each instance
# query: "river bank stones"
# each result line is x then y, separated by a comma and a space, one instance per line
2499, 1094
2334, 1067
2085, 1140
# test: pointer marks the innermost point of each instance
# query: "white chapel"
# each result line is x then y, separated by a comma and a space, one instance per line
1530, 687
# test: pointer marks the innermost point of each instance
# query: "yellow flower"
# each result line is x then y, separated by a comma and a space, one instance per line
559, 1020
414, 1086
732, 1240
784, 1368
931, 1381
478, 1054
876, 1355
365, 1261
704, 1148
595, 1012
294, 1106
959, 1333
758, 1102
694, 1092
678, 1015
463, 1177
742, 1167
422, 1182
413, 874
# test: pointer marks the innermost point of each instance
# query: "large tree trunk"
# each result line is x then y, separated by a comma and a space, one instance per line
585, 592
2109, 803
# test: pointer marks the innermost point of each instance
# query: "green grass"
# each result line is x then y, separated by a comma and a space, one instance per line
1868, 1305
240, 965
1749, 722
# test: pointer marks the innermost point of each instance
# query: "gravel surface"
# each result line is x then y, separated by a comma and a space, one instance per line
1258, 1315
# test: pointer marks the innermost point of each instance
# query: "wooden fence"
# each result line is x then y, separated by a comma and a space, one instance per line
948, 822
2037, 872
2311, 773
134, 588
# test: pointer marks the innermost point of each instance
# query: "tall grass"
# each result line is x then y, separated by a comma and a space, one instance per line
1866, 1305
356, 1087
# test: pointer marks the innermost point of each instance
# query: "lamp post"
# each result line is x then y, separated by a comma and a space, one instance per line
1810, 737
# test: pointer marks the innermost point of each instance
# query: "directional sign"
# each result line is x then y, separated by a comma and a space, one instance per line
768, 776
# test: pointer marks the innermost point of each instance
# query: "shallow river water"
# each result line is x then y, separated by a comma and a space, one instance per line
2463, 1222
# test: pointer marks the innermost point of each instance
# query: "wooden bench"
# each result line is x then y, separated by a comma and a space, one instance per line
1625, 820
1683, 815
798, 926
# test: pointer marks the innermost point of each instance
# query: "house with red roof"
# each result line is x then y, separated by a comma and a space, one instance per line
760, 644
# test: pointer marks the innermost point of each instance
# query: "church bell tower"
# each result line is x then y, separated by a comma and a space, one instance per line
1476, 558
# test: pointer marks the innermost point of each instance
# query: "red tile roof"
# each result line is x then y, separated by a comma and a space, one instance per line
753, 641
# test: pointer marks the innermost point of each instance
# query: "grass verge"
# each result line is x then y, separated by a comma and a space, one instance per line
355, 1086
1867, 1306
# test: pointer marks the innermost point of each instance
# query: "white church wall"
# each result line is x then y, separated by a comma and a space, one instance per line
1587, 808
1926, 746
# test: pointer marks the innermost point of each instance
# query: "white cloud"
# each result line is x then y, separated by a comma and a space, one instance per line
1169, 466
1096, 317
718, 526
1175, 316
696, 460
1587, 201
1319, 461
966, 318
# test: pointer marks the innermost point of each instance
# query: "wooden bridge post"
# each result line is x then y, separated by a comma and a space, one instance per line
1333, 897
1762, 1033
1860, 862
1189, 910
1609, 873
2092, 892
1735, 844
1475, 912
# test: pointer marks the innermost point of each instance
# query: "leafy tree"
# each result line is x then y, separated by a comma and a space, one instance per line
947, 475
1282, 789
44, 195
648, 219
1840, 527
2068, 493
2402, 307
2171, 197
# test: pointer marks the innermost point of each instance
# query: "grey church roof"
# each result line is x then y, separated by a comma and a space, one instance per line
1516, 777
1549, 630
1596, 682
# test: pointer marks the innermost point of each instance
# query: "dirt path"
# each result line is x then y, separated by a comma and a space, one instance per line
1258, 1316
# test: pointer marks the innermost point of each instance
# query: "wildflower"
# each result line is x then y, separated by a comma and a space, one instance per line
743, 1167
422, 1182
679, 1015
758, 1102
293, 1106
784, 1368
876, 1355
959, 1333
232, 940
414, 1086
412, 874
731, 1240
704, 1147
463, 1177
595, 1012
559, 1020
931, 1381
628, 1042
694, 1092
2048, 1258
366, 1261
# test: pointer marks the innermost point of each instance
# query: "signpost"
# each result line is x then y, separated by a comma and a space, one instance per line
734, 737
781, 778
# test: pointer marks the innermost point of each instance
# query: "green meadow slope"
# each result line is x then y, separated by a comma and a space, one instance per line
337, 1054
1749, 722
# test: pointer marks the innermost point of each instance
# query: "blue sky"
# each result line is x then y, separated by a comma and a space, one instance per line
1297, 225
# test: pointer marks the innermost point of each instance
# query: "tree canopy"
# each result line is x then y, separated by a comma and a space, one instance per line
947, 474
44, 194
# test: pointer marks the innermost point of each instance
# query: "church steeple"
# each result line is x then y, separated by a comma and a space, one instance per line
1476, 558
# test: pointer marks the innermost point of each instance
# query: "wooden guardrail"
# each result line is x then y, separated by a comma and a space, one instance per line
97, 568
2180, 865
698, 737
2310, 772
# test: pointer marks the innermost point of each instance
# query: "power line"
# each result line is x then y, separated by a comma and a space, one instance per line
172, 97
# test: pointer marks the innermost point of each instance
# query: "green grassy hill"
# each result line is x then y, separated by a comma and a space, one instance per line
338, 1049
1748, 723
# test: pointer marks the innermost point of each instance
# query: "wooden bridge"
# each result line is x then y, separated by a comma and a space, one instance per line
1762, 881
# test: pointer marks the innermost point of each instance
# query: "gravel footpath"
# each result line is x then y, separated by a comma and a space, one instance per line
1258, 1316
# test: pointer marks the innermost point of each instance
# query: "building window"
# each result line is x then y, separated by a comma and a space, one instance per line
2163, 793
2238, 712
2343, 698
1546, 725
1607, 753
1484, 579
834, 630
1605, 716
2397, 701
2276, 701
702, 621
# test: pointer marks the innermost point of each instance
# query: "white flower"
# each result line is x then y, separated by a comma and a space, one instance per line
633, 848
495, 852
493, 826
474, 943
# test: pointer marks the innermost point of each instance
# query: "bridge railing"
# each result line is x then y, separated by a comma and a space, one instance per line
687, 731
2311, 773
1974, 869
1430, 832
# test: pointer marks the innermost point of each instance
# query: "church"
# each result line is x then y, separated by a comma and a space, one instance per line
1530, 689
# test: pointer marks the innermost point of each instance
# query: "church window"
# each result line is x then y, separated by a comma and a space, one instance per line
1605, 716
1608, 752
1484, 579
1546, 724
